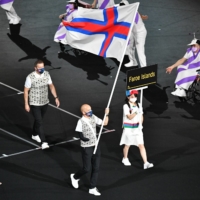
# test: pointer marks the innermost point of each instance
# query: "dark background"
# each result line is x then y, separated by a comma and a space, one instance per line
171, 128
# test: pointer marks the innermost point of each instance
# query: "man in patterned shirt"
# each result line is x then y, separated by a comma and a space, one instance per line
36, 99
86, 127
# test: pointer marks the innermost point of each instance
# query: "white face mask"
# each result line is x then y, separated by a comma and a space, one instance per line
133, 100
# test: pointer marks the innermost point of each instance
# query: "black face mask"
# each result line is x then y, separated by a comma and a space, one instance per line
41, 71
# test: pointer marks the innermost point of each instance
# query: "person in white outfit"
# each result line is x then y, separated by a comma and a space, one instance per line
137, 40
132, 128
12, 16
61, 35
187, 68
71, 11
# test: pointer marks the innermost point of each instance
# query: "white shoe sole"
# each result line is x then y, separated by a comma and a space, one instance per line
45, 148
36, 140
126, 164
129, 66
149, 166
95, 194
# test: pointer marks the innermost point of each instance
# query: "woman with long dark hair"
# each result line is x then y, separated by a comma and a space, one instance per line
132, 128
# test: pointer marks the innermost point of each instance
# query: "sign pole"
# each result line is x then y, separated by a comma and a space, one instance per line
141, 96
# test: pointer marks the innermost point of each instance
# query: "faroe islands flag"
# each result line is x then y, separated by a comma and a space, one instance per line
101, 32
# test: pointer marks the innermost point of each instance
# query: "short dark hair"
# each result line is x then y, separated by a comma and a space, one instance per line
38, 62
198, 42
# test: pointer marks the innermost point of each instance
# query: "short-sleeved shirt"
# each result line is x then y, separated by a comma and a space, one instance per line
28, 79
79, 124
89, 131
131, 123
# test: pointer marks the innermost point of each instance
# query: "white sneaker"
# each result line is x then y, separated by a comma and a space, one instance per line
179, 92
148, 165
126, 162
45, 145
36, 138
94, 191
74, 181
130, 64
173, 93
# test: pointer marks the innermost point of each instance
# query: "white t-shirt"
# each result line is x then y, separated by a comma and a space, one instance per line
28, 80
131, 110
79, 124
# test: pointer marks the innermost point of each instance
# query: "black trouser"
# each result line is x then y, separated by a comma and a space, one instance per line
62, 47
38, 114
90, 160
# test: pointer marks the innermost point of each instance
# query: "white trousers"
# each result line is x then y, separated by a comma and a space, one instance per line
12, 16
137, 41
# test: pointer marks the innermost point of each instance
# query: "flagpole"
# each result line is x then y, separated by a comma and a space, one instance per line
114, 84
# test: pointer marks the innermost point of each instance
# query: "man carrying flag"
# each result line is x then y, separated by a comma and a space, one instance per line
86, 127
105, 33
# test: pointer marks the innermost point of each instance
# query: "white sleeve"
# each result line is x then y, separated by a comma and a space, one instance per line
186, 56
27, 82
50, 81
79, 126
98, 120
126, 109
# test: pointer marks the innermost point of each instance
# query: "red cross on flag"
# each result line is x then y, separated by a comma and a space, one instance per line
102, 32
